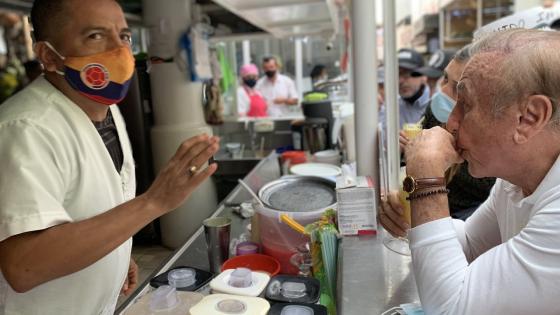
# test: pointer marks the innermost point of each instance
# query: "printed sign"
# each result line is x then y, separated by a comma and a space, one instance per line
536, 18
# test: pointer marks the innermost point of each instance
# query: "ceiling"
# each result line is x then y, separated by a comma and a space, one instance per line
283, 18
280, 18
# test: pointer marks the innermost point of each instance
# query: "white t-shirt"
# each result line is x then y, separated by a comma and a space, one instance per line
283, 87
505, 259
243, 102
56, 169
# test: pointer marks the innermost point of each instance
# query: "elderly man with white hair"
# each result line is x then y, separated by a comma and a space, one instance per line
505, 259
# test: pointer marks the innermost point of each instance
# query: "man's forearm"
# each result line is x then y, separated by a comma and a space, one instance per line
70, 247
292, 101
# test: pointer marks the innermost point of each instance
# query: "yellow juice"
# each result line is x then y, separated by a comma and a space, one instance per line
406, 206
402, 197
412, 130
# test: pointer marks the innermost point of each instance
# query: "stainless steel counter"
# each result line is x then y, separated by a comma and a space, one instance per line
372, 279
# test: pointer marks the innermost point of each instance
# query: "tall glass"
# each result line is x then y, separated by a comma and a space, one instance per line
400, 244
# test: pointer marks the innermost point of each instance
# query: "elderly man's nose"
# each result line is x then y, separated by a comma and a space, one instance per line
453, 121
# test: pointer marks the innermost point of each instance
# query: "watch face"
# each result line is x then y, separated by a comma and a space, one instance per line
408, 184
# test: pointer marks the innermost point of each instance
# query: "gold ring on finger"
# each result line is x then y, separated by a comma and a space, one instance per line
193, 169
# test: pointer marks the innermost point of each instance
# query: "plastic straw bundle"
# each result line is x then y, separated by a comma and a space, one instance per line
324, 252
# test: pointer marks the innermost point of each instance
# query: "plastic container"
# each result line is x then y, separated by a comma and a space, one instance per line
297, 309
240, 281
246, 248
294, 157
255, 262
305, 199
327, 156
182, 277
201, 278
165, 301
224, 304
293, 289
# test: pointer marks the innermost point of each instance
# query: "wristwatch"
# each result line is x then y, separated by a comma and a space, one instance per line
411, 184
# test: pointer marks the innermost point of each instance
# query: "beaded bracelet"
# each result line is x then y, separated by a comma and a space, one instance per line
423, 194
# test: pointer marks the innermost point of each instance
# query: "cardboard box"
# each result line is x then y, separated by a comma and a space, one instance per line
357, 206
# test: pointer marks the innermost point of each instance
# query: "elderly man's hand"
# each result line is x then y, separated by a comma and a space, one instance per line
431, 153
391, 215
183, 174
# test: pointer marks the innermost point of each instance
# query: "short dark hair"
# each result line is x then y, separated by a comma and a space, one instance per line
317, 70
46, 15
269, 58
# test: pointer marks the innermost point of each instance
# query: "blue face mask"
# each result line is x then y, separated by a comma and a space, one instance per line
405, 309
412, 308
441, 106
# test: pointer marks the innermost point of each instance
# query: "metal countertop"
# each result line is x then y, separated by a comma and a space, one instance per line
371, 278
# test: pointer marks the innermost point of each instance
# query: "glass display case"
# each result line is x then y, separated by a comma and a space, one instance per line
460, 18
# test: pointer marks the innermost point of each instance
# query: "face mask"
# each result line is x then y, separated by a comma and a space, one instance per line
441, 106
250, 82
270, 74
103, 78
407, 309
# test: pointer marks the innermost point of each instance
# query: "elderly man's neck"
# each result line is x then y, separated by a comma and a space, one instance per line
94, 110
542, 157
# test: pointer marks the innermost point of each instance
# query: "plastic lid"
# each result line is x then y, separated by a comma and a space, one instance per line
232, 306
246, 248
241, 278
164, 298
297, 310
182, 278
293, 290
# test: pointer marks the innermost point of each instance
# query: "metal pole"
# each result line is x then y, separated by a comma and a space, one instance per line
365, 85
478, 14
441, 30
299, 66
391, 92
246, 52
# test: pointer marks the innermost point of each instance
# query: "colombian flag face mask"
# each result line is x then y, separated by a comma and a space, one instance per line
103, 78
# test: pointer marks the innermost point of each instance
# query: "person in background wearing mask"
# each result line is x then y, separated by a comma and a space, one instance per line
413, 91
278, 90
250, 102
466, 193
506, 124
434, 70
68, 209
318, 75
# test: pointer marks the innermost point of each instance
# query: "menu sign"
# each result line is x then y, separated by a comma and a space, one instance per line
537, 18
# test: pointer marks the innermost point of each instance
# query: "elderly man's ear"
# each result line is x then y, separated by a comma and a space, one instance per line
533, 117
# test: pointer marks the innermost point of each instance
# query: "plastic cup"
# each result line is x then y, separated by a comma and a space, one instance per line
241, 278
181, 278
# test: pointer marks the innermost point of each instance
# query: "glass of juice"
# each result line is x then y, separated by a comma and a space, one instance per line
412, 130
400, 245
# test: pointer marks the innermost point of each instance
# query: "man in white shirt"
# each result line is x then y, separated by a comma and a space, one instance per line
505, 259
278, 90
67, 206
